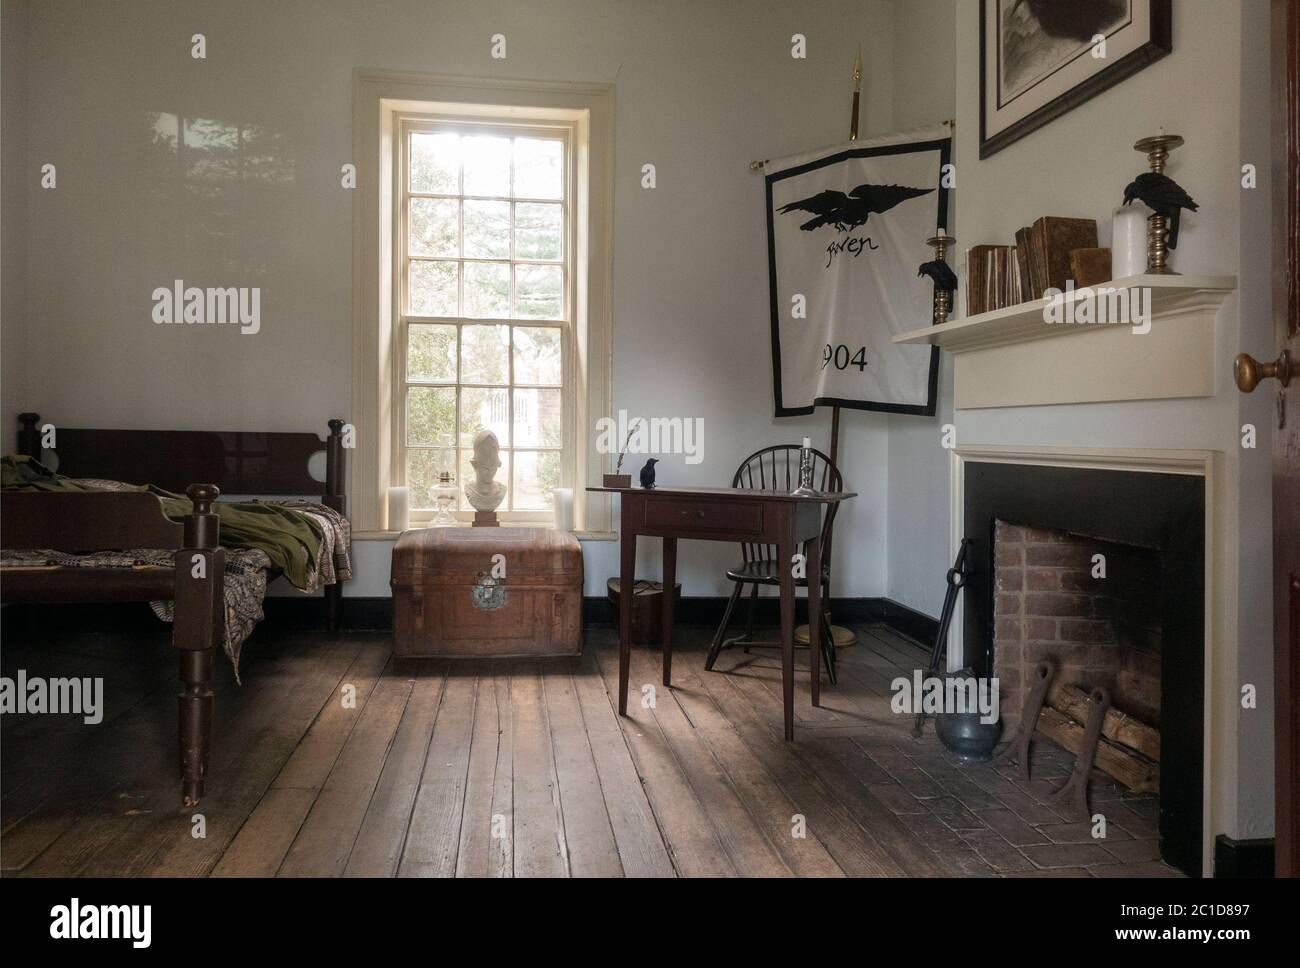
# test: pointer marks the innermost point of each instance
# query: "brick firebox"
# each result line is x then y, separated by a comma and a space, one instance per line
1099, 631
1140, 509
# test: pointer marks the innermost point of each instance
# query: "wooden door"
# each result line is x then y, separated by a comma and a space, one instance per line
1280, 378
1286, 444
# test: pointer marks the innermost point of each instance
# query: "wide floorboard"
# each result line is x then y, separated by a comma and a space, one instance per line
334, 758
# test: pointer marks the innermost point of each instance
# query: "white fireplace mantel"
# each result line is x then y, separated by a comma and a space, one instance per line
1022, 356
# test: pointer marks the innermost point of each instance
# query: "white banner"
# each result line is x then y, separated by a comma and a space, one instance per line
846, 231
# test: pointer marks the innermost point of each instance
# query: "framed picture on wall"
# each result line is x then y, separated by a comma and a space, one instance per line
1042, 58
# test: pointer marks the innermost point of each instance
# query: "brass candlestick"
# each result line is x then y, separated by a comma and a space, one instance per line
1157, 150
941, 242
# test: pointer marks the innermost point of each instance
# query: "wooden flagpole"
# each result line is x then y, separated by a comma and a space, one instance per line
843, 637
853, 136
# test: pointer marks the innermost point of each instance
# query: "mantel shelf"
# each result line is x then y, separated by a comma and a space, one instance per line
1010, 358
1170, 296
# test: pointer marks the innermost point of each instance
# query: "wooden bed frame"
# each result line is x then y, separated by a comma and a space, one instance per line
270, 464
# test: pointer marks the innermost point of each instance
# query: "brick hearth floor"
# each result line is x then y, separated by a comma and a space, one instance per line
992, 822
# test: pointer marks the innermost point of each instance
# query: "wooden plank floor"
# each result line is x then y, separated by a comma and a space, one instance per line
336, 759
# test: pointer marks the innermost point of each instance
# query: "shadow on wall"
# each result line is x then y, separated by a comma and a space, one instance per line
217, 185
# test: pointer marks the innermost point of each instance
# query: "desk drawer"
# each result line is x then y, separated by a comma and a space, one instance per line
740, 517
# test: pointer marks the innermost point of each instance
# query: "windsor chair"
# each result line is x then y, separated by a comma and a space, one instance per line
776, 468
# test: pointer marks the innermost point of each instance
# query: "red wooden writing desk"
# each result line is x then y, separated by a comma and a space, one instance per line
724, 514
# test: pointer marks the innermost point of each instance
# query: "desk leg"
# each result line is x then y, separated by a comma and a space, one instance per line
670, 581
785, 551
626, 589
814, 564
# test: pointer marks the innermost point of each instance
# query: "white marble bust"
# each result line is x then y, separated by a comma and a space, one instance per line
483, 492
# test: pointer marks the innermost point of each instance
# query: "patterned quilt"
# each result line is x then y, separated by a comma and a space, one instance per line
246, 568
245, 582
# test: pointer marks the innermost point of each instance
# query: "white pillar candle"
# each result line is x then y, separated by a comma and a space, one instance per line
563, 508
399, 508
1128, 242
807, 443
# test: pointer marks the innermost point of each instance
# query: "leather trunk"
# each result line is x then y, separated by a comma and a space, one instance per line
453, 595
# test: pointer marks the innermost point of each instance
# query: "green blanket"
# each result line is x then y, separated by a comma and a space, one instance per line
292, 541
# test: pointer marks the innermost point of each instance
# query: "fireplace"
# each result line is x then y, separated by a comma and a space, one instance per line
1092, 609
1035, 532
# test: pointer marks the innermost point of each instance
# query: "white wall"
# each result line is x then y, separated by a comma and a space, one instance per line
14, 179
1210, 91
702, 88
925, 45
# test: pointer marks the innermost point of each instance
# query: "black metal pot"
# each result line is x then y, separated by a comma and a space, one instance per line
965, 735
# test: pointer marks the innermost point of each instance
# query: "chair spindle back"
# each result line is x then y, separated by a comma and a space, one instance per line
776, 468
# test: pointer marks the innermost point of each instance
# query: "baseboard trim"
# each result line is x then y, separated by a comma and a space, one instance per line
1243, 858
376, 614
708, 610
909, 621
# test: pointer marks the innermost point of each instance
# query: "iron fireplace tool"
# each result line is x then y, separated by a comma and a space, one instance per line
956, 578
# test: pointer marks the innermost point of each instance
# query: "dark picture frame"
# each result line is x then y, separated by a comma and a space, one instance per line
1157, 44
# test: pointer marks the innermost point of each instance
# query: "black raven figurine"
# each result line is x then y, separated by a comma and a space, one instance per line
942, 274
1162, 195
849, 211
648, 472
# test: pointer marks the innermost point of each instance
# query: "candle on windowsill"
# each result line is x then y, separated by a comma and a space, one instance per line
563, 497
399, 508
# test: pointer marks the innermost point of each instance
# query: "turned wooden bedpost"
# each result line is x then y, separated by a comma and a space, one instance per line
197, 632
29, 437
335, 468
335, 497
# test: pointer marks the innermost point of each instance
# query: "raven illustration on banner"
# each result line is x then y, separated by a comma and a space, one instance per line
847, 212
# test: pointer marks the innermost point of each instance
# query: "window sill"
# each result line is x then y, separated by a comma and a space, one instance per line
393, 535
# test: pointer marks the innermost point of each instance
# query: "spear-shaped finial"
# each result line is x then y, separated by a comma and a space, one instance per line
857, 88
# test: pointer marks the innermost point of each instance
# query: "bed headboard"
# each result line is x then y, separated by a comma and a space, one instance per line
238, 462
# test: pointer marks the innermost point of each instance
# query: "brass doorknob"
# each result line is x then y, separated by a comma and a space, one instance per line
1249, 371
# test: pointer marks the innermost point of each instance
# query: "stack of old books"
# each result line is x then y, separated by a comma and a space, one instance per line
1005, 275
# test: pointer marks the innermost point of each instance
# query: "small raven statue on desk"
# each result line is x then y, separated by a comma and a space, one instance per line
648, 472
942, 274
1162, 195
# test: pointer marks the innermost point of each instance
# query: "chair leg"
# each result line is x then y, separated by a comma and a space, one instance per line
716, 647
828, 649
753, 611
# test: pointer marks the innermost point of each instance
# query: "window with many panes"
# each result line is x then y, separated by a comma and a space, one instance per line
485, 269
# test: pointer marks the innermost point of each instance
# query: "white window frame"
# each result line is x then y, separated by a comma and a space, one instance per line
380, 101
566, 131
